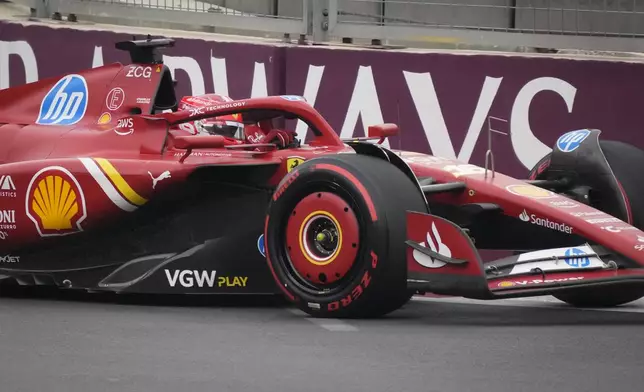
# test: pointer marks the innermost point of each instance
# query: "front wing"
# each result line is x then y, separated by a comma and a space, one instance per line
442, 259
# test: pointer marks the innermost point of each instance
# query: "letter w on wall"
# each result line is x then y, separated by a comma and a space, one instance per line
423, 93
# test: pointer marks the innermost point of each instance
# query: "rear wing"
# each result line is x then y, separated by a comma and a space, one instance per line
145, 51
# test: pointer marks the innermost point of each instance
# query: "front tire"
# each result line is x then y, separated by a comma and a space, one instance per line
335, 236
622, 158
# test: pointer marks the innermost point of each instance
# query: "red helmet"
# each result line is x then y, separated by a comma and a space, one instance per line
229, 126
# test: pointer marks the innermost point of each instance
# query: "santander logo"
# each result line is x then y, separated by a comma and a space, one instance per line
545, 222
437, 246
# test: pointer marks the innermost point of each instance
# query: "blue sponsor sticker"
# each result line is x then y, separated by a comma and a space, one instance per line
260, 245
293, 98
569, 142
65, 103
578, 261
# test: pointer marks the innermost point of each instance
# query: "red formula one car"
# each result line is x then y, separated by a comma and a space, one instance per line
105, 184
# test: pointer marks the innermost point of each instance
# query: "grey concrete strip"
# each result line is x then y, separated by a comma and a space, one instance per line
85, 343
546, 302
334, 325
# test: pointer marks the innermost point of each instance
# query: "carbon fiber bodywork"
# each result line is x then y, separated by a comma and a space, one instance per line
201, 238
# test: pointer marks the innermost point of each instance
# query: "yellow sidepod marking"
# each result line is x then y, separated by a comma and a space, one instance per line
123, 187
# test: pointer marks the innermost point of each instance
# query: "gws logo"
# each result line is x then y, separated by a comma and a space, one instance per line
437, 246
65, 103
571, 141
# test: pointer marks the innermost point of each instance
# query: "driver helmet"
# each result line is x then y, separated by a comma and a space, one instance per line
230, 126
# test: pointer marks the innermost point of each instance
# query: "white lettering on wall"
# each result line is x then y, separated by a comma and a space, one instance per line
220, 78
23, 50
364, 103
423, 93
311, 88
191, 67
483, 105
97, 60
219, 75
260, 87
527, 147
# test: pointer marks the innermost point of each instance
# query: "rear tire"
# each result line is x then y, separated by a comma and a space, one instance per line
622, 158
361, 202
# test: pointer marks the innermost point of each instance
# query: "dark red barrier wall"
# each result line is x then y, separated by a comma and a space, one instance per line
441, 101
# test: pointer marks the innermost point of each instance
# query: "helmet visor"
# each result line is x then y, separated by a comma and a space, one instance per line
230, 129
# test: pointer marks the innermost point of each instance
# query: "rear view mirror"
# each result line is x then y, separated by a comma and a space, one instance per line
383, 131
199, 141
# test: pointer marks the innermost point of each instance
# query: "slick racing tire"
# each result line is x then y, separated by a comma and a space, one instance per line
622, 158
335, 236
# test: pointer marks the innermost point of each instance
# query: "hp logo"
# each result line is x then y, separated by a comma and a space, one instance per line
576, 262
65, 103
261, 246
570, 141
293, 98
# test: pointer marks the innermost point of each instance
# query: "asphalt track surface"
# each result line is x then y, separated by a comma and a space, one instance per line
54, 342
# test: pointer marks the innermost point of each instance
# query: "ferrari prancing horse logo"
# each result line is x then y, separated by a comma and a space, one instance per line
293, 162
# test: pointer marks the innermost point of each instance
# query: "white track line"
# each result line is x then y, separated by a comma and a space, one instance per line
333, 325
547, 303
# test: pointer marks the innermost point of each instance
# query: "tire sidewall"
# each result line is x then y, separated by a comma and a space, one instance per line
374, 239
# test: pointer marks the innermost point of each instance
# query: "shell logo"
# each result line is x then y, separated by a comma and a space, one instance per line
531, 191
55, 202
505, 283
105, 118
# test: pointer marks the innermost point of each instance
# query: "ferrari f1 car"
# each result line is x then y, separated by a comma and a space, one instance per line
97, 193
